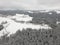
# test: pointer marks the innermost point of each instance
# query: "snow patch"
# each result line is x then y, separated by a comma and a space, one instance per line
11, 26
21, 17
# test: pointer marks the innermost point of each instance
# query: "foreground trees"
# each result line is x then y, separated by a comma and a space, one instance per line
32, 37
1, 27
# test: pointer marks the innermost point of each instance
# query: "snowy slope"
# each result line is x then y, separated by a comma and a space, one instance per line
12, 26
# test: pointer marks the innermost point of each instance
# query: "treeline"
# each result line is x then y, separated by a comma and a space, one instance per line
33, 37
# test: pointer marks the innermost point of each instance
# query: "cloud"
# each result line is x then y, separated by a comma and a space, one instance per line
30, 4
50, 3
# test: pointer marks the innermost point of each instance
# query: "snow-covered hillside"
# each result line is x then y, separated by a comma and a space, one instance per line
11, 26
46, 11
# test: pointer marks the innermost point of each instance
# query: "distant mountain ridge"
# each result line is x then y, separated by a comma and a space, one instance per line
48, 14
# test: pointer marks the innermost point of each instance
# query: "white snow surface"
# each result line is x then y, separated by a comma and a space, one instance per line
57, 22
11, 26
58, 12
21, 17
30, 11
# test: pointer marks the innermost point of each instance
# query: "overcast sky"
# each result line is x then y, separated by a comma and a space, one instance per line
30, 4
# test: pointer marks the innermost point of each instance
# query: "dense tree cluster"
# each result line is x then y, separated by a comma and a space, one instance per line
31, 37
1, 27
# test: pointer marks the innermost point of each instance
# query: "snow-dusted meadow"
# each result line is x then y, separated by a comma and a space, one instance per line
11, 26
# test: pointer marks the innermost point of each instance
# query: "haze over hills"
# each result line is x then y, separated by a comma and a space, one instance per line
48, 14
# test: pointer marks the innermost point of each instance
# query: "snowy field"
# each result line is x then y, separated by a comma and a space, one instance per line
11, 26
